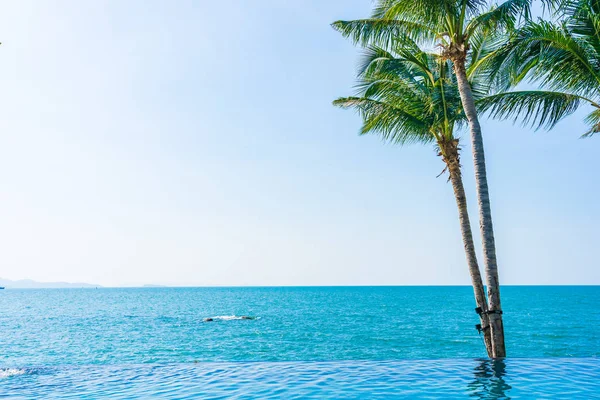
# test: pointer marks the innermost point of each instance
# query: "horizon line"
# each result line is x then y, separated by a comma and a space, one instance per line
158, 286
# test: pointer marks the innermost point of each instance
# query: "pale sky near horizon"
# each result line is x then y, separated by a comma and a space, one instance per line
194, 143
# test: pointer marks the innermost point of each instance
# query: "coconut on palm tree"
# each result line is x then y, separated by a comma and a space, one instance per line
454, 26
407, 95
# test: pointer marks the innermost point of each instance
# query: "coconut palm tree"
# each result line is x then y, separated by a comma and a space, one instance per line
406, 96
453, 26
563, 57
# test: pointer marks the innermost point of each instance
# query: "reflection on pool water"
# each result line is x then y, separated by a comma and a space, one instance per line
479, 379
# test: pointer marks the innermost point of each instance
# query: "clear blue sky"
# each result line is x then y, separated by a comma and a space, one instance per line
194, 143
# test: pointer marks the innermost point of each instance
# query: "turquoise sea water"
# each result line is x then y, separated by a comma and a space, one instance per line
305, 342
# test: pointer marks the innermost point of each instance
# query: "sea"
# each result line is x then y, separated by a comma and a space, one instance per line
298, 343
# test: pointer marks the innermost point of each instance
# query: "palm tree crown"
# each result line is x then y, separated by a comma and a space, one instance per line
457, 26
563, 57
406, 96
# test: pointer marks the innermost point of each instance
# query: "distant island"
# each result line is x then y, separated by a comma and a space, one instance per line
31, 284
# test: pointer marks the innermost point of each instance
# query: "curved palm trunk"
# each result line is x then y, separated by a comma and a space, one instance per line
485, 213
452, 160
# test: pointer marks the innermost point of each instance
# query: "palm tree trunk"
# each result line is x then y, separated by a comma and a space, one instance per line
485, 213
452, 160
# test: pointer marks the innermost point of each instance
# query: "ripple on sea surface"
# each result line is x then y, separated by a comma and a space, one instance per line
145, 326
482, 379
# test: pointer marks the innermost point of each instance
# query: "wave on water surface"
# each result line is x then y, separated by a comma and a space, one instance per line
230, 318
8, 372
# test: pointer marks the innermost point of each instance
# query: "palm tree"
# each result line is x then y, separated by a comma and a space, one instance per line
563, 57
406, 96
454, 26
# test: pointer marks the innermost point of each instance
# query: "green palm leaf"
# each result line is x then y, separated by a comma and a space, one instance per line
392, 123
535, 108
382, 31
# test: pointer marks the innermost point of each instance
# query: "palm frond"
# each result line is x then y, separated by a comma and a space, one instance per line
503, 16
548, 54
593, 119
535, 108
480, 69
392, 123
428, 11
382, 32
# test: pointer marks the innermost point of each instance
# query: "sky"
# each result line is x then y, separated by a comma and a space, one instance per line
194, 143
